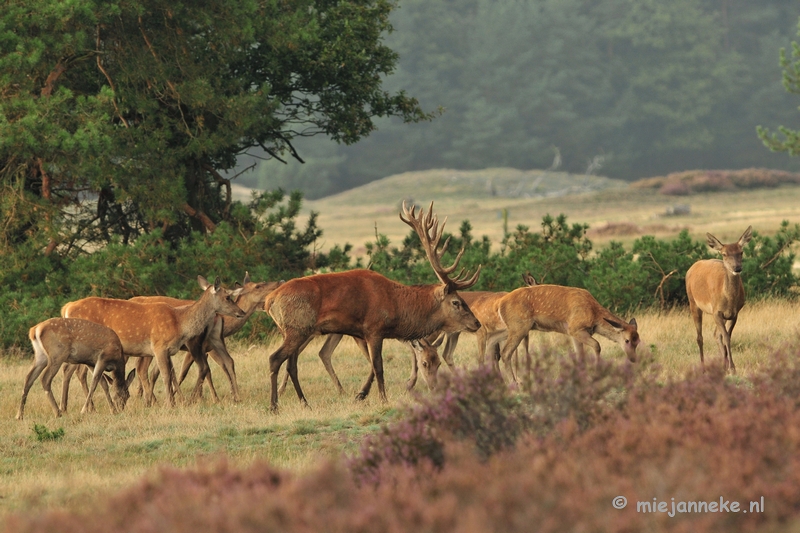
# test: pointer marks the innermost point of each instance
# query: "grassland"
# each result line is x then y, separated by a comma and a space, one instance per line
101, 453
613, 210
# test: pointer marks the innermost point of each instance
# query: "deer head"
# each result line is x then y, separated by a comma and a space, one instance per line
731, 253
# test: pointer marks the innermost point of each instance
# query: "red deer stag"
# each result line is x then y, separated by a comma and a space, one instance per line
369, 306
71, 340
155, 330
568, 310
715, 287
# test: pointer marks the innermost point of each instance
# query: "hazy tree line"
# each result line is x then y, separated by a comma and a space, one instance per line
640, 87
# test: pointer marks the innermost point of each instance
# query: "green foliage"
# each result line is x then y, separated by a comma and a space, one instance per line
651, 274
263, 238
119, 118
43, 434
791, 81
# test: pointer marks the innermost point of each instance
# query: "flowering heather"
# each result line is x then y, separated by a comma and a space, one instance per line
549, 456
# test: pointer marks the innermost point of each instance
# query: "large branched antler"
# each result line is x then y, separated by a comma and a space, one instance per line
430, 233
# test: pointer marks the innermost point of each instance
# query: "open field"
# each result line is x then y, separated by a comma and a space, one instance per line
101, 453
612, 210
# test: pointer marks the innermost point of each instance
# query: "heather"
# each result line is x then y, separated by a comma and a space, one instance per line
548, 455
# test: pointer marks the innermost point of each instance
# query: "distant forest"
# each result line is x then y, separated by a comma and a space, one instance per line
622, 88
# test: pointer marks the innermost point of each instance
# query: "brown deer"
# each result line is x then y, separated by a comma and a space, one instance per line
369, 306
492, 331
568, 310
423, 352
155, 330
715, 287
71, 340
249, 297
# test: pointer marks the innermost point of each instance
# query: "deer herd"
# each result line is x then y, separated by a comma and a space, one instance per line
102, 333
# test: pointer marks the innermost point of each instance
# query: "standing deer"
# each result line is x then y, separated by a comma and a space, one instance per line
155, 330
423, 351
715, 287
249, 298
71, 340
492, 330
568, 310
367, 305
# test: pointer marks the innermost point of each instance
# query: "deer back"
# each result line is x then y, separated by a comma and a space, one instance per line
364, 303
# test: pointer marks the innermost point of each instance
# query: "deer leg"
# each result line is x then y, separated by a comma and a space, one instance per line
219, 353
164, 362
69, 370
325, 354
723, 339
293, 342
583, 337
188, 360
697, 318
412, 379
514, 337
450, 348
203, 371
367, 386
47, 381
286, 375
97, 377
104, 384
376, 357
140, 390
731, 324
39, 364
147, 386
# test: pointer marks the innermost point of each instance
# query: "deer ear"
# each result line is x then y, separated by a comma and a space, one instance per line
633, 323
236, 292
415, 344
216, 284
746, 236
203, 282
529, 280
615, 324
246, 277
713, 242
442, 291
129, 379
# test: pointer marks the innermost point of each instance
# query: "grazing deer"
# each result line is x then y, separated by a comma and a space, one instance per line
155, 330
568, 310
369, 306
715, 287
71, 340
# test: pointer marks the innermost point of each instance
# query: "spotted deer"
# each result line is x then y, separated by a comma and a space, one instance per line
72, 340
155, 330
568, 310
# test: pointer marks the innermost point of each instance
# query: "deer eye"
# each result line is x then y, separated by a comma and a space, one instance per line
456, 303
425, 364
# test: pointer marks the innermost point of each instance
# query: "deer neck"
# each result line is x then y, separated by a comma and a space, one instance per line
419, 312
194, 318
230, 324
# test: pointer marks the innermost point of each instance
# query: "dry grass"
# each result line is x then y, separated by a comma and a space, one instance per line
101, 453
353, 215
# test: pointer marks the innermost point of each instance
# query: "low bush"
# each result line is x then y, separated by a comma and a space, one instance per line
558, 454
